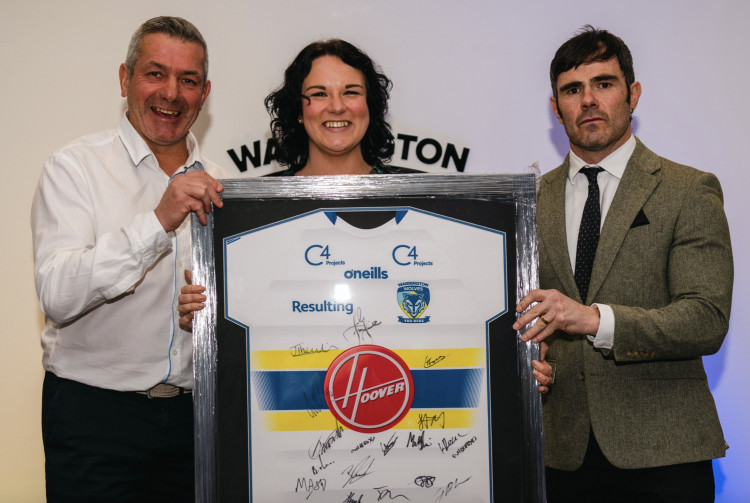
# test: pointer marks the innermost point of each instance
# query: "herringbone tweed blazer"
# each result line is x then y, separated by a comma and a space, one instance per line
664, 264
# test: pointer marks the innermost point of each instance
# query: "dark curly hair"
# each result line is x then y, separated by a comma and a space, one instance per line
285, 105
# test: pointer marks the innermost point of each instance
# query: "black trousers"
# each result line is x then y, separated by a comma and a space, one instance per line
103, 445
597, 480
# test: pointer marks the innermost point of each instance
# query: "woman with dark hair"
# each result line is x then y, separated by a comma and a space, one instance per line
328, 117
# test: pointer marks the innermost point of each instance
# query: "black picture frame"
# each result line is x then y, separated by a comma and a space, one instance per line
502, 203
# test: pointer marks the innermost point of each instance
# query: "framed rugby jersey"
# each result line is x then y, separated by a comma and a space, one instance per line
357, 341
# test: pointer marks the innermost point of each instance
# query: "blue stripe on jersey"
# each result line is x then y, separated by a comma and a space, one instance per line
303, 389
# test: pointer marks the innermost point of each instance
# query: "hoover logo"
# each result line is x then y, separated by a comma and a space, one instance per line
413, 298
369, 388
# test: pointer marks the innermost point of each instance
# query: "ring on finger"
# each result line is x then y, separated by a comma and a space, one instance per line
544, 320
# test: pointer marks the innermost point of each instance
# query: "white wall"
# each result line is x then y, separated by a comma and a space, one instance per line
474, 75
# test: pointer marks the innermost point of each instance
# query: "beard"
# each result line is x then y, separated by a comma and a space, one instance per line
609, 132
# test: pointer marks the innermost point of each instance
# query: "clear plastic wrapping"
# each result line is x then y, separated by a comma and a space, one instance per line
513, 191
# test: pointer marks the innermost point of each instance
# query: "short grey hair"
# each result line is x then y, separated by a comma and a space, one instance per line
175, 27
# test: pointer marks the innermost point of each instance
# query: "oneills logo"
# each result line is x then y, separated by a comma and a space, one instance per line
369, 388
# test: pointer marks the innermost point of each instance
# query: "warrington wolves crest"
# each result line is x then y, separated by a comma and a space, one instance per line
413, 299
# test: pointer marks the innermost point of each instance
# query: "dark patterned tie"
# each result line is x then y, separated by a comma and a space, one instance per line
588, 234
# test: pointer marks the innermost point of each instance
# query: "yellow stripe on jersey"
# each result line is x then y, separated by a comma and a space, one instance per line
415, 419
301, 358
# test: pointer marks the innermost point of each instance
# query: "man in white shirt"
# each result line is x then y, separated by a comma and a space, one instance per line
635, 265
111, 241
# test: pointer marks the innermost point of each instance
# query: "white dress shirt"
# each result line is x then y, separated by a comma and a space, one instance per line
106, 272
576, 193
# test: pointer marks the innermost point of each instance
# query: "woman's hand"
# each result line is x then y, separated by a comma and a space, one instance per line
191, 299
543, 371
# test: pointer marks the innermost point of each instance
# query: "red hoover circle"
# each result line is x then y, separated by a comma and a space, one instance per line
369, 388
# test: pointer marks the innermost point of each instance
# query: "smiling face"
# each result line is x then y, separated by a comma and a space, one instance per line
166, 91
592, 104
335, 113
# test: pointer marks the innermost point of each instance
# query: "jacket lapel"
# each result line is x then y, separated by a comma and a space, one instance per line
638, 182
552, 231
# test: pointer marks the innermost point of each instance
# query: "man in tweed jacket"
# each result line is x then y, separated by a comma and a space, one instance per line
630, 416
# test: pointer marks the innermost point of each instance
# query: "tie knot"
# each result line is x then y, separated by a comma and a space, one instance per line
591, 172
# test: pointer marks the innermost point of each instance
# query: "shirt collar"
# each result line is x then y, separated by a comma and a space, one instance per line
138, 149
614, 163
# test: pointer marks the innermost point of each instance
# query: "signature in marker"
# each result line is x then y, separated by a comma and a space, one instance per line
384, 492
358, 471
425, 481
417, 441
310, 485
301, 350
350, 498
322, 446
427, 421
431, 363
445, 491
386, 447
361, 327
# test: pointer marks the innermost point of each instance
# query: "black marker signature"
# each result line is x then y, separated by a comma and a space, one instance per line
363, 444
386, 447
445, 443
384, 492
300, 350
431, 363
350, 498
425, 480
310, 485
322, 466
427, 421
322, 446
358, 471
466, 445
361, 328
417, 441
312, 411
445, 491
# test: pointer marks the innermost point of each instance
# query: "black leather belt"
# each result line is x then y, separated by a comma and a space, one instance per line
162, 390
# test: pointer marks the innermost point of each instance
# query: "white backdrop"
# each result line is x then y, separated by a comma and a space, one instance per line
473, 75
